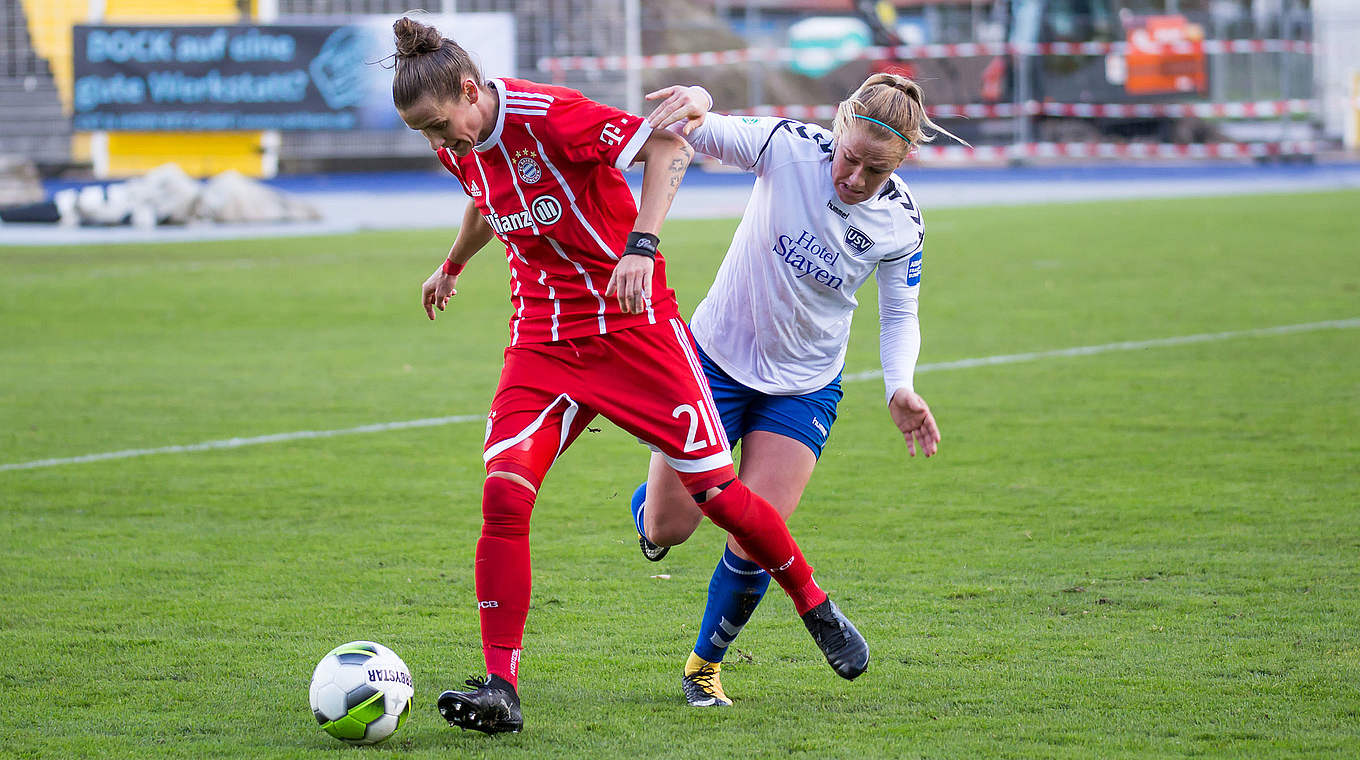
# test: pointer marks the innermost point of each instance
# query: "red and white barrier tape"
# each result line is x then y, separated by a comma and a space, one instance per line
992, 153
1240, 110
915, 52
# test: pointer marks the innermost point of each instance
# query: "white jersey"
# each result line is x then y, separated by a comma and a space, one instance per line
777, 318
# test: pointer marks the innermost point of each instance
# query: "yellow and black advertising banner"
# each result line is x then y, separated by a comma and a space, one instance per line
229, 78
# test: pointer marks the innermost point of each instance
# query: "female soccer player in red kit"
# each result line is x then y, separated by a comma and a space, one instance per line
595, 330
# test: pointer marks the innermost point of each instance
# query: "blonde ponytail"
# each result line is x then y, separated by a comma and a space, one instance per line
892, 105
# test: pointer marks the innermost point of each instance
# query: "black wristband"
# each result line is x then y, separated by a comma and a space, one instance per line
641, 244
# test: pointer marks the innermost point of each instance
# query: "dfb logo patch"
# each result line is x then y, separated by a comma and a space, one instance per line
914, 268
858, 240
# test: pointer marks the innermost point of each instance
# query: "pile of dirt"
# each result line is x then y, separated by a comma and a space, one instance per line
19, 182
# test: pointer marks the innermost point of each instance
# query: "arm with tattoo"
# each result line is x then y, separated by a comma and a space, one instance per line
665, 157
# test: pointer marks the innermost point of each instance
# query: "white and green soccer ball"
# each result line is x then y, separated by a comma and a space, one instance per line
361, 692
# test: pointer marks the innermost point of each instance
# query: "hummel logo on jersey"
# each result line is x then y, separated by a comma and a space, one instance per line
804, 253
503, 223
858, 240
838, 211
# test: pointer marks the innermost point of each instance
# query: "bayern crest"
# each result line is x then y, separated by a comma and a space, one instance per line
526, 167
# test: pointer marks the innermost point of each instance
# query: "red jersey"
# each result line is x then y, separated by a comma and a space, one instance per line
549, 182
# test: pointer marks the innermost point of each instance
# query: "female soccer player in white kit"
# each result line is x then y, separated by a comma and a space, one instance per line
826, 212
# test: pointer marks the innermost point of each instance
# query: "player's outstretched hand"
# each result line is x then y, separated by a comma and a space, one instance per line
632, 283
679, 102
437, 290
912, 416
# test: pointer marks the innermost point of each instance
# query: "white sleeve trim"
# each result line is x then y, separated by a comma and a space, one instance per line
899, 336
736, 141
634, 145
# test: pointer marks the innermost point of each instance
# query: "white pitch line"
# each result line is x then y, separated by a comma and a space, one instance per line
1129, 345
236, 443
1132, 345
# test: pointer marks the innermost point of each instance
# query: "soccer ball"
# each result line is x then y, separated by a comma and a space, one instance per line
361, 692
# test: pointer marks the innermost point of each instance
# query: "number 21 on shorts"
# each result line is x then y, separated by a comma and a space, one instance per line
696, 412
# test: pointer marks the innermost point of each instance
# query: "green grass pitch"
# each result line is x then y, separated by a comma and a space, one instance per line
1138, 553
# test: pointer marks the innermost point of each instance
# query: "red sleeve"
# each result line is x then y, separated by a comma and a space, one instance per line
447, 161
586, 131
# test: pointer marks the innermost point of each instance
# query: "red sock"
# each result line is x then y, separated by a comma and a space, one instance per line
763, 535
503, 574
503, 662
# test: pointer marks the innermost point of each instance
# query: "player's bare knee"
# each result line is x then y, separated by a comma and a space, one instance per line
702, 486
670, 527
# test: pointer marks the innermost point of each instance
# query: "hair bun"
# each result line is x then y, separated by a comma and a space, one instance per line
415, 38
895, 81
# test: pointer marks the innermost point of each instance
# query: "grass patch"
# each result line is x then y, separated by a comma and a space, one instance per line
1134, 554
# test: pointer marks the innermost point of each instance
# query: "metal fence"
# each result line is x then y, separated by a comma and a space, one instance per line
35, 124
1220, 81
543, 28
1254, 83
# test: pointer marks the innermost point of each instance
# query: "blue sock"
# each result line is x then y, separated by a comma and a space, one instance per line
639, 496
733, 593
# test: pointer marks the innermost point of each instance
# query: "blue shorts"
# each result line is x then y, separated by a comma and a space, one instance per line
806, 418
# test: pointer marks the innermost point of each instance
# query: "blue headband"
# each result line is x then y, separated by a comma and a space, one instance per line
881, 124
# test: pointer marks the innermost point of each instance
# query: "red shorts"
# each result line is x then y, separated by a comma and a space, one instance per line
647, 380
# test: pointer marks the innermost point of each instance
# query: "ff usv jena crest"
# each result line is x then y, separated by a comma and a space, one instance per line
856, 239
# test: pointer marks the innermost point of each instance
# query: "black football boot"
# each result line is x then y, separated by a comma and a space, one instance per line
492, 706
650, 550
844, 648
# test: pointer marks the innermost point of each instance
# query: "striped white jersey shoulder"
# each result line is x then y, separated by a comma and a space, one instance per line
778, 315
